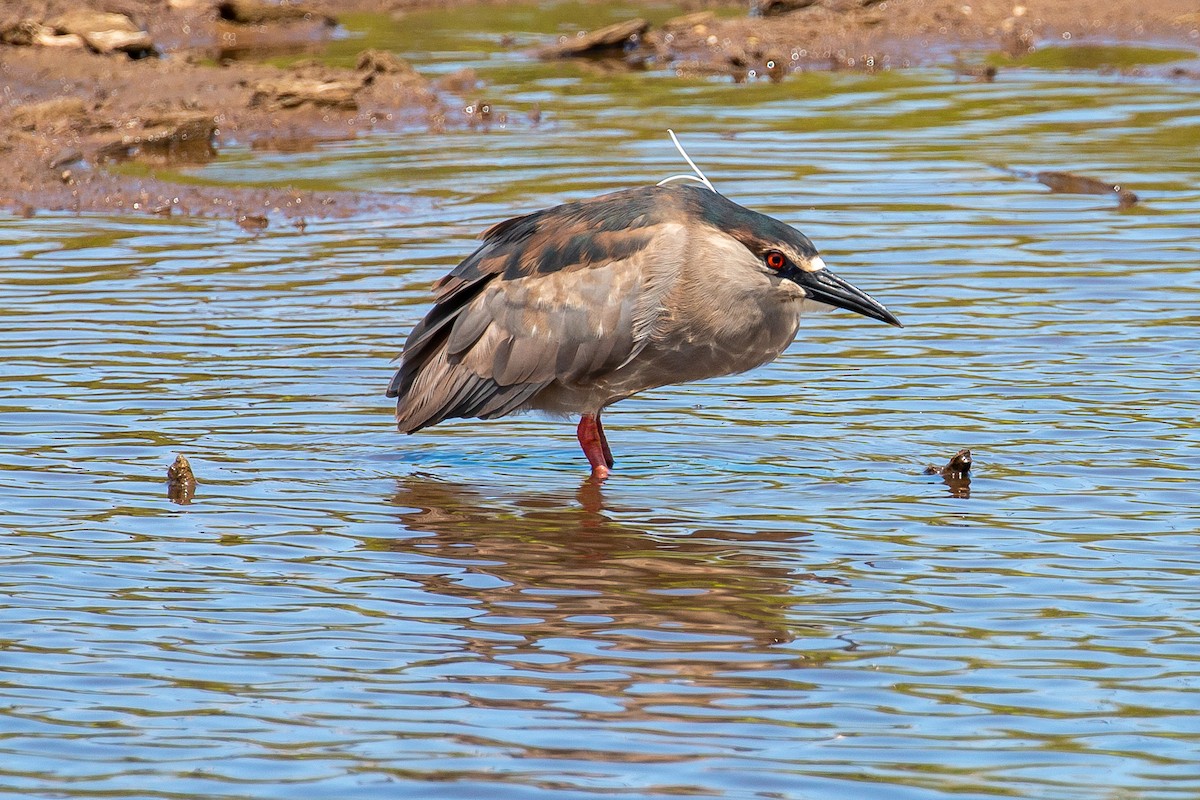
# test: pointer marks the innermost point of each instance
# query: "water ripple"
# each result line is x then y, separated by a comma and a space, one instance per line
770, 600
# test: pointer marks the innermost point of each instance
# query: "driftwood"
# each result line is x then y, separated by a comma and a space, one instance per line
598, 42
1070, 183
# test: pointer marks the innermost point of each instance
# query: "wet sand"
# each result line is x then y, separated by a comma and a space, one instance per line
167, 83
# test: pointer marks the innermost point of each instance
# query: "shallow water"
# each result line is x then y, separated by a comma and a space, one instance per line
768, 600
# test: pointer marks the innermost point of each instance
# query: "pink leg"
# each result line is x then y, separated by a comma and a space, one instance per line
608, 459
591, 439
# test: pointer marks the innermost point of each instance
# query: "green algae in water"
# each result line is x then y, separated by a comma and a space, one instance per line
1096, 56
417, 35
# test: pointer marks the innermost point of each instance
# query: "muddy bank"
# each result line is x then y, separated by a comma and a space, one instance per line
98, 102
102, 98
779, 37
884, 34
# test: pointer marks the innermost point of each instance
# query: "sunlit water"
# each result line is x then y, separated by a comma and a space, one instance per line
768, 600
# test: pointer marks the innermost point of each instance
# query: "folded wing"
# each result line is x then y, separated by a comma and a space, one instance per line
565, 295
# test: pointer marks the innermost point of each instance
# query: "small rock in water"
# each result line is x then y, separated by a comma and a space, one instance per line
181, 481
958, 466
956, 474
253, 222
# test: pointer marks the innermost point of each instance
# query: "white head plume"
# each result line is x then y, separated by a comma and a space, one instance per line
697, 178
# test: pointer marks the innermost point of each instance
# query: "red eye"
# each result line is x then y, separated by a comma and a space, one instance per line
775, 260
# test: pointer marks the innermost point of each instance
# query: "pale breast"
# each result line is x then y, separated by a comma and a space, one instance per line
754, 329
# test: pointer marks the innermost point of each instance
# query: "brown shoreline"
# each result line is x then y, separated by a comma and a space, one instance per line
78, 98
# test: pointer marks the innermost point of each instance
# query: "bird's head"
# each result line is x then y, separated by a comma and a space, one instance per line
782, 253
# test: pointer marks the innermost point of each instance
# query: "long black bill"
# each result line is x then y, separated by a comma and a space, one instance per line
822, 286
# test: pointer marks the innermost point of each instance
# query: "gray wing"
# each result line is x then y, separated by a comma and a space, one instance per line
565, 295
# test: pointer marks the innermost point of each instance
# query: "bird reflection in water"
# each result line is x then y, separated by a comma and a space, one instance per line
636, 579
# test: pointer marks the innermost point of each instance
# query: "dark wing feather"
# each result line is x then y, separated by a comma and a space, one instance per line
562, 294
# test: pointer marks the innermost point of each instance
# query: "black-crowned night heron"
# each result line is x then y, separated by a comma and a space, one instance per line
570, 309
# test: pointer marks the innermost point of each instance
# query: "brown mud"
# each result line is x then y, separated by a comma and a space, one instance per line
99, 96
872, 35
72, 116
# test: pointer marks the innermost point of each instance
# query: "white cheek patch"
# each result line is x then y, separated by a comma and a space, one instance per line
793, 291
